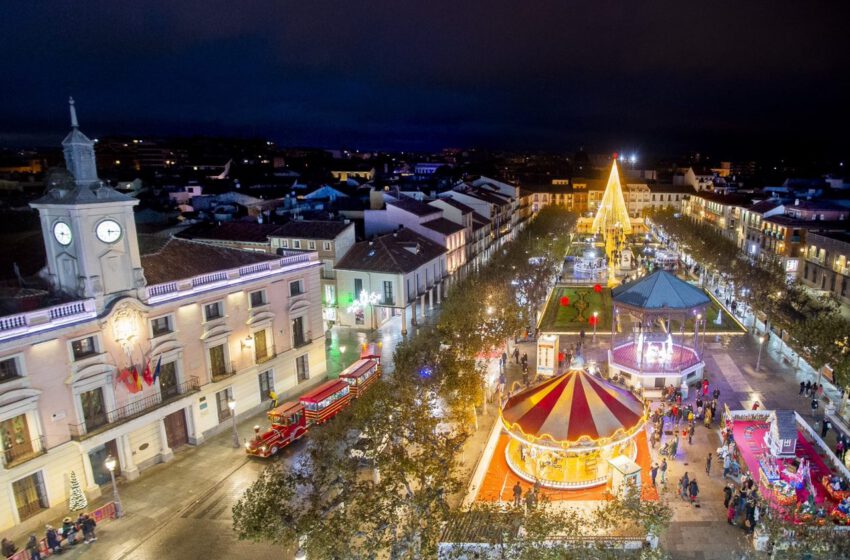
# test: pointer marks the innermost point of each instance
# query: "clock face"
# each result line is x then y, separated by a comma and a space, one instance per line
108, 231
62, 233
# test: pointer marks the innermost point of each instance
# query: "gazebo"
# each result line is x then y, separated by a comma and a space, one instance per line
660, 318
565, 431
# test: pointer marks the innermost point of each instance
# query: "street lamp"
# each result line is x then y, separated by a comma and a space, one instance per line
110, 466
231, 404
761, 346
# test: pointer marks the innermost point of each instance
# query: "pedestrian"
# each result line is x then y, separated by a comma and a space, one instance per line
684, 484
814, 407
529, 499
272, 399
727, 465
52, 538
802, 387
525, 358
88, 525
504, 359
691, 434
663, 470
716, 393
708, 465
727, 495
517, 494
730, 513
8, 548
69, 531
653, 472
516, 355
705, 387
709, 414
809, 388
693, 491
826, 426
32, 548
819, 392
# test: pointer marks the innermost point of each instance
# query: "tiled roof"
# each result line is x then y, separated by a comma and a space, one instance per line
400, 252
413, 206
455, 204
178, 259
444, 226
764, 206
788, 221
479, 221
249, 232
660, 290
312, 229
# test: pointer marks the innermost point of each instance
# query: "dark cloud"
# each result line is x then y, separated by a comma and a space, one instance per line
740, 77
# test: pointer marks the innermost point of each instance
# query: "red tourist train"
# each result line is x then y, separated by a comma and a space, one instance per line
292, 420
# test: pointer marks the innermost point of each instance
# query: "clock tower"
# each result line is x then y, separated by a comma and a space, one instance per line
89, 229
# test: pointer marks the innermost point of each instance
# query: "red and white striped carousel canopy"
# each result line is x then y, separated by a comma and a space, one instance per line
571, 408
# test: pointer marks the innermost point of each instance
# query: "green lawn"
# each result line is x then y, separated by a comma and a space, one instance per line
575, 316
727, 323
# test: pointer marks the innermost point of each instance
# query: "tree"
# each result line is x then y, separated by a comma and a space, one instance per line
77, 499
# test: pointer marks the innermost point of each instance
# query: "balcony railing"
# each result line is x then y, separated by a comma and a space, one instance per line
328, 274
132, 410
23, 452
177, 288
47, 318
299, 342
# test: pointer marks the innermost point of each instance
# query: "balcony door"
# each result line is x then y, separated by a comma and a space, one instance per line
168, 385
94, 409
16, 438
298, 338
261, 349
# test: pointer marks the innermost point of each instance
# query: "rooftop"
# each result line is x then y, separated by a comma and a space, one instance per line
93, 193
413, 206
312, 229
444, 226
399, 252
455, 204
660, 290
788, 221
248, 232
764, 206
177, 259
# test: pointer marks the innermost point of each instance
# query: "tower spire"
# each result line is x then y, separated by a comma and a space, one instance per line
74, 123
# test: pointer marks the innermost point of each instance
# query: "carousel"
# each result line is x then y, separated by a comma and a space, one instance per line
572, 431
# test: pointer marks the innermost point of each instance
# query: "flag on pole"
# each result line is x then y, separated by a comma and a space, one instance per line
146, 375
156, 371
126, 377
138, 379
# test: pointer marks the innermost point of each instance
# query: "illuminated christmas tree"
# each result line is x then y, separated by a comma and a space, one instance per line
612, 218
77, 499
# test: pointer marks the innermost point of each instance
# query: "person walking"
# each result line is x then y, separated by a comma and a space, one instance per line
730, 511
52, 538
653, 472
517, 494
691, 434
272, 399
684, 484
708, 465
663, 469
716, 393
802, 388
809, 388
8, 548
516, 355
727, 465
727, 495
32, 548
709, 414
814, 407
826, 426
529, 499
693, 491
88, 526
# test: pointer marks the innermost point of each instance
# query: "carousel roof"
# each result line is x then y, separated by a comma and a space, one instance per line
571, 407
660, 290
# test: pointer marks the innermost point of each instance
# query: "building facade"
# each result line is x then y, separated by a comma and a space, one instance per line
136, 346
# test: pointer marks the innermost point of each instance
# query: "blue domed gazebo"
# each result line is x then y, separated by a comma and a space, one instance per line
659, 318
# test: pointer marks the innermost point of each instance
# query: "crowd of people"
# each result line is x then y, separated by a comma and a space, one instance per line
72, 532
742, 504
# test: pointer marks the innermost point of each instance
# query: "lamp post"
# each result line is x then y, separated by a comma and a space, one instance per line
595, 321
231, 404
110, 466
761, 347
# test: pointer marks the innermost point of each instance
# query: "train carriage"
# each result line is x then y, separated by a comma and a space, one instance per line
360, 375
289, 423
325, 401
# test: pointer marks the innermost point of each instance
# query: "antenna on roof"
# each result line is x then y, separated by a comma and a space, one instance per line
74, 123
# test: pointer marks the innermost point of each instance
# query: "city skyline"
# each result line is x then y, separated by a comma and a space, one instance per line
734, 80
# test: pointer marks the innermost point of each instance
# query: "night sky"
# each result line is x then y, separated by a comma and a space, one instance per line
741, 78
